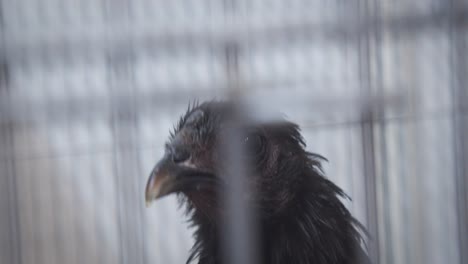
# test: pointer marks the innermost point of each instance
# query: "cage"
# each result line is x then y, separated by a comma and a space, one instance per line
90, 88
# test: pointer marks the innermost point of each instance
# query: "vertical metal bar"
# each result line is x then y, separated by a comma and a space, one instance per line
460, 122
124, 122
368, 138
239, 234
367, 79
239, 242
114, 123
13, 249
121, 77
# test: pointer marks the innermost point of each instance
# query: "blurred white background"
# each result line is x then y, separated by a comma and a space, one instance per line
90, 89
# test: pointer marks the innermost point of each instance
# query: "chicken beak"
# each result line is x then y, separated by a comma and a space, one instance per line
169, 177
161, 181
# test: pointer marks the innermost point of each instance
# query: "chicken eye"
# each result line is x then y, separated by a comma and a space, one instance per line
254, 143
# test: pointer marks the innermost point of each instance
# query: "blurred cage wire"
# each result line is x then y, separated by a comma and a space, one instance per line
89, 90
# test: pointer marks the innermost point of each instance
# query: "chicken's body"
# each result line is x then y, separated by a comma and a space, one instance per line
301, 218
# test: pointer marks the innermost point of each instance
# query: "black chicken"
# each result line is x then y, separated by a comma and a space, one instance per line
302, 219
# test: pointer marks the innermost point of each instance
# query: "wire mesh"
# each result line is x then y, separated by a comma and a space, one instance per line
89, 90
